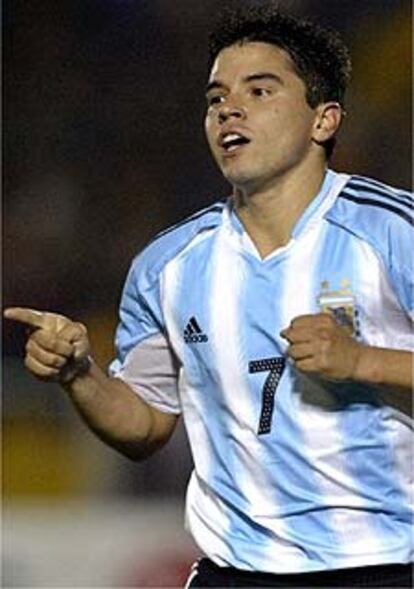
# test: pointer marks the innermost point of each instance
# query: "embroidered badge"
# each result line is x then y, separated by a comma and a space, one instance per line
341, 305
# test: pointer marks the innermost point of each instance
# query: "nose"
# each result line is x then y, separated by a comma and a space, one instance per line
230, 110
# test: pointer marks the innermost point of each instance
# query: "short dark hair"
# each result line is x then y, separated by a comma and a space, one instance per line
320, 57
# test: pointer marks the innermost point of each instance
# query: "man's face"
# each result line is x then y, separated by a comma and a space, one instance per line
258, 123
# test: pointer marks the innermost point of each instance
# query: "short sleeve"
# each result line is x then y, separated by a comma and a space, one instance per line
400, 241
383, 217
145, 360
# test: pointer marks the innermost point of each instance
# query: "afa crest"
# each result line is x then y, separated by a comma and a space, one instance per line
340, 303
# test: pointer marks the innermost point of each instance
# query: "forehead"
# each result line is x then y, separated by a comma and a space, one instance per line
245, 58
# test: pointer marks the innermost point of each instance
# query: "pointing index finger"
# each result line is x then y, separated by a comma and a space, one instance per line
24, 315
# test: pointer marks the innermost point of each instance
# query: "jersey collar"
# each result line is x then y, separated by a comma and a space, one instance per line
317, 208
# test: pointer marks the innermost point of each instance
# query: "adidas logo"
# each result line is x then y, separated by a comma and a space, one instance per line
193, 333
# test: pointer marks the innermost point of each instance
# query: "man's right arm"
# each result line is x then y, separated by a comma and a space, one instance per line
58, 350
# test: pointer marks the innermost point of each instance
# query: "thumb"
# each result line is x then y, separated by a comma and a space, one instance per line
77, 334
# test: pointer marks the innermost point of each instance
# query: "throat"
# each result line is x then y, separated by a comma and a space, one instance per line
269, 217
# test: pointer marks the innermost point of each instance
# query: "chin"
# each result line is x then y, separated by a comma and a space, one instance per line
238, 178
242, 182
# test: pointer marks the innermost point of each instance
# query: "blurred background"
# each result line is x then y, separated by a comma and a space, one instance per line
103, 147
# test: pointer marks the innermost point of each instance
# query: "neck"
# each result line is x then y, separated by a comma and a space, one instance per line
270, 212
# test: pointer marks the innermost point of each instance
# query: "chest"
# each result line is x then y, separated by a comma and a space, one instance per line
227, 298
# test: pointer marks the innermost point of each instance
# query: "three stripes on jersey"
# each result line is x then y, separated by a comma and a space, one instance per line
193, 333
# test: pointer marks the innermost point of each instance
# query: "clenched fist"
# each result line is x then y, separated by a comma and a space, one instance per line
319, 345
57, 348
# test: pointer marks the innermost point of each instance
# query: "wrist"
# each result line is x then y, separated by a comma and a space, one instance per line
367, 367
75, 369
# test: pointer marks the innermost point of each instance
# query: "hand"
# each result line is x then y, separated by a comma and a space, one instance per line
57, 349
318, 345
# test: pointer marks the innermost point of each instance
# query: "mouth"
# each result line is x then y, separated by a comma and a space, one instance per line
232, 142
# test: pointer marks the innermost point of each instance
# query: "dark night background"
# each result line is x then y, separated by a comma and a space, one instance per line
103, 146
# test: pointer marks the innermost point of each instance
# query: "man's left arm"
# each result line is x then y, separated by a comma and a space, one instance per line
318, 345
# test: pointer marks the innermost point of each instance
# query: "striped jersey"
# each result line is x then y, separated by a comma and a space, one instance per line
291, 473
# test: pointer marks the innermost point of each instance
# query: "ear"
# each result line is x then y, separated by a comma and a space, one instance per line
328, 119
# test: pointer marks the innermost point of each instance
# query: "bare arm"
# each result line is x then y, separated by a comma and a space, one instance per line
385, 367
319, 345
58, 350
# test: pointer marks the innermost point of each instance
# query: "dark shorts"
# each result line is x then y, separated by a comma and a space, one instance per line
207, 574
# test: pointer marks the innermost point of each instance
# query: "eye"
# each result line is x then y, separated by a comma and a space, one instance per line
261, 92
214, 99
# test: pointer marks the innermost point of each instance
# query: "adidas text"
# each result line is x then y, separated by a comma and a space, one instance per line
195, 338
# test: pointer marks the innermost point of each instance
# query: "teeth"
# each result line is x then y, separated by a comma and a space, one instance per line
233, 140
231, 137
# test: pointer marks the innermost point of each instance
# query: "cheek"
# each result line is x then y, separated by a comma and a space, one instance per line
209, 129
290, 130
301, 119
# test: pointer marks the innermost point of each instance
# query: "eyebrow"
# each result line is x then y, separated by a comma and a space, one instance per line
214, 84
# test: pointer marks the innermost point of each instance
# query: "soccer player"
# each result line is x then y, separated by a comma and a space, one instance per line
278, 322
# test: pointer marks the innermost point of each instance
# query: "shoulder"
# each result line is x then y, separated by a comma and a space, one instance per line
169, 243
374, 211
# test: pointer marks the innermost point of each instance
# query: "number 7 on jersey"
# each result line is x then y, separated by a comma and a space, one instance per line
275, 367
